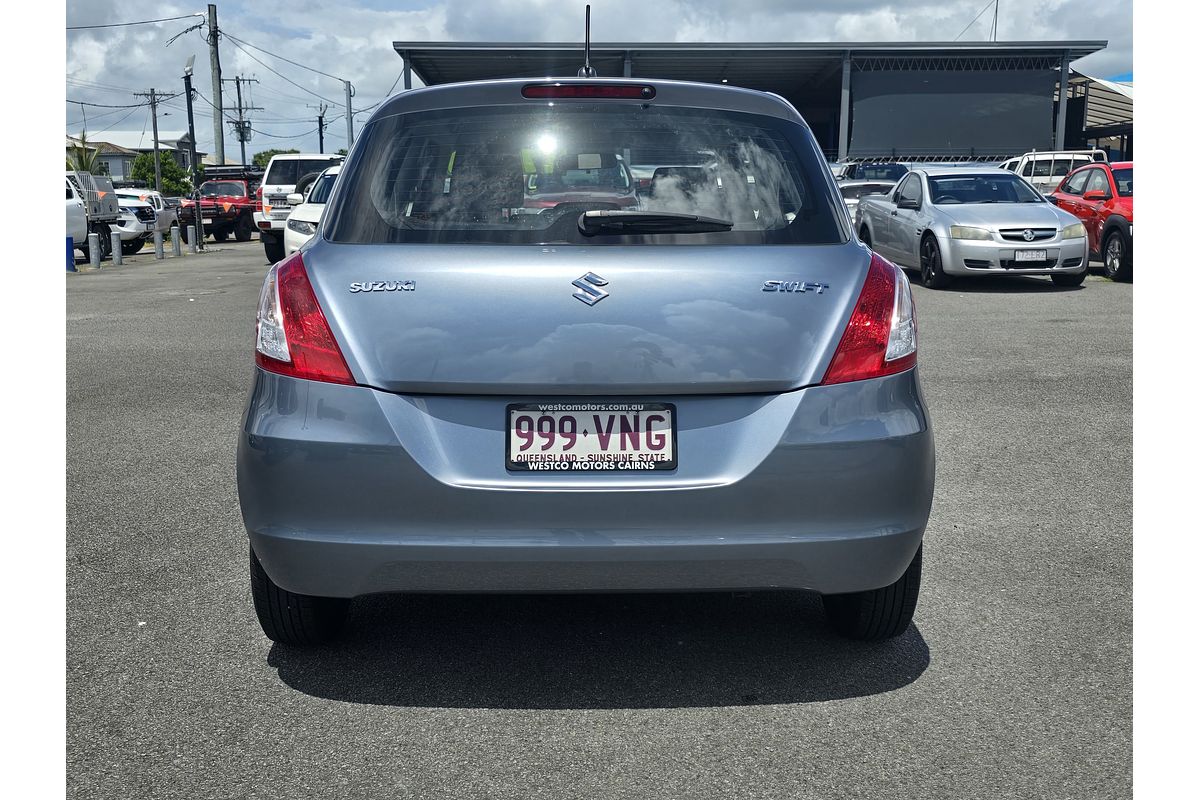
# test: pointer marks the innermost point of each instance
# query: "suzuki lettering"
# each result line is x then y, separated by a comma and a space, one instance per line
382, 286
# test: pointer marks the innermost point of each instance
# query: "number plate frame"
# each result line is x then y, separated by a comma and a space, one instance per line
583, 410
1020, 256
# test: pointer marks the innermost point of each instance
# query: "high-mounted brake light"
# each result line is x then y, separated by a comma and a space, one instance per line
603, 91
881, 337
293, 335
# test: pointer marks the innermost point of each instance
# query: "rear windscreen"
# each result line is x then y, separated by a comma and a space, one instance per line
523, 175
288, 172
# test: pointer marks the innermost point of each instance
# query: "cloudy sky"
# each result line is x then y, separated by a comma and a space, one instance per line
352, 39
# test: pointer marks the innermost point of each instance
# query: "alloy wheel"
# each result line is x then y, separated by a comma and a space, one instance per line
1113, 254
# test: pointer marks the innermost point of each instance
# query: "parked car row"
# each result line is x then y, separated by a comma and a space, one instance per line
94, 206
972, 220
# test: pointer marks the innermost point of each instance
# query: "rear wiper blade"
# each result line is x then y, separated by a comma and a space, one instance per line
593, 223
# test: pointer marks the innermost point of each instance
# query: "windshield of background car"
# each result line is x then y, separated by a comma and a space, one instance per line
320, 190
948, 190
1124, 180
222, 189
524, 175
864, 189
880, 172
289, 171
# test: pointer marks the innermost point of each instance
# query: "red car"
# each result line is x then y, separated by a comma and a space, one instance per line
1101, 195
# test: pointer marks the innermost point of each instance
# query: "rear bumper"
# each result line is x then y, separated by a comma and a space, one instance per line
348, 491
267, 223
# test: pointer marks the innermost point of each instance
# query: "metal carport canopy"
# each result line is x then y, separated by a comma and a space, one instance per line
781, 67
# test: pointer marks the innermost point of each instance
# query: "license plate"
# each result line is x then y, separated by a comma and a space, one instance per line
149, 226
590, 437
1030, 255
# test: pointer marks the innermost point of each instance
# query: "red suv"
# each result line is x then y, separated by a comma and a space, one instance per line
1101, 195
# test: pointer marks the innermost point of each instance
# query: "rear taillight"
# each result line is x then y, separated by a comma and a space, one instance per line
293, 335
881, 337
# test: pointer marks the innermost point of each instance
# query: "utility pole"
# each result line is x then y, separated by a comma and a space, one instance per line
320, 127
154, 122
349, 116
187, 90
242, 127
214, 60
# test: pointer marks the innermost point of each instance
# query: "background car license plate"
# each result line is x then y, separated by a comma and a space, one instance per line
1030, 255
590, 437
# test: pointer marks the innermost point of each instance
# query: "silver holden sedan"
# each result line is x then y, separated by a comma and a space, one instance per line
966, 221
463, 388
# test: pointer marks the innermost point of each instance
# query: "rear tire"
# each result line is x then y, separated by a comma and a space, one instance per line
105, 234
295, 619
864, 235
1069, 280
273, 245
879, 613
1118, 258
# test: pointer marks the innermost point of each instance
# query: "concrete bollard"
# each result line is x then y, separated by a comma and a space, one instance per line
115, 240
158, 245
175, 249
94, 249
193, 240
71, 254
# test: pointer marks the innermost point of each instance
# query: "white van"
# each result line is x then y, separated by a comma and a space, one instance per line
1046, 169
288, 173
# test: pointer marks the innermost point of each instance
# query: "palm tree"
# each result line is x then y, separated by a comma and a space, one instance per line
81, 157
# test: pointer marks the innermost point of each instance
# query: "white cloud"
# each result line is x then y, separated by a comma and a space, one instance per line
353, 38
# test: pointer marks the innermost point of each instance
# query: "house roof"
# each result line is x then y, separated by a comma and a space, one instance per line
102, 147
136, 141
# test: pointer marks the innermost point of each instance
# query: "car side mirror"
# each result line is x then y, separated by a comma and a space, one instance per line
295, 199
1096, 194
908, 202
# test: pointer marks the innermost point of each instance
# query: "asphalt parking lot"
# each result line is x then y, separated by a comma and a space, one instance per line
1013, 683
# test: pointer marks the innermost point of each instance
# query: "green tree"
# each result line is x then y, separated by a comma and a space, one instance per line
343, 152
264, 158
174, 179
82, 156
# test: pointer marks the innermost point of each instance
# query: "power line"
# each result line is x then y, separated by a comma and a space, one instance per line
103, 114
100, 87
118, 122
276, 136
385, 97
229, 35
127, 24
972, 22
281, 75
103, 105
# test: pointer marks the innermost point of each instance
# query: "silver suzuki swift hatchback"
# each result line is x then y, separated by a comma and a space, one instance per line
585, 336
